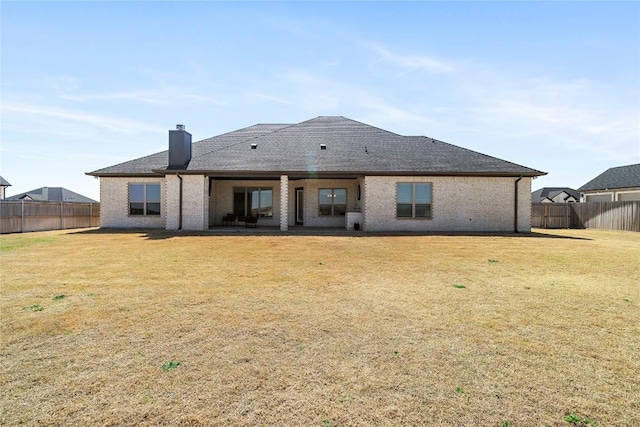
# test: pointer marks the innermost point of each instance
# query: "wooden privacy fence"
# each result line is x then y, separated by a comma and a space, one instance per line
24, 215
624, 216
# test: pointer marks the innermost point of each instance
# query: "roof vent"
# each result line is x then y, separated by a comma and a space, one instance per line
254, 146
179, 127
323, 146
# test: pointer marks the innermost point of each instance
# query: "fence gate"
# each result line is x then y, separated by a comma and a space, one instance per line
551, 215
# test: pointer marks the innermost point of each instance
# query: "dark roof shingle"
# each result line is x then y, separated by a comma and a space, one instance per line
550, 192
53, 194
351, 147
618, 177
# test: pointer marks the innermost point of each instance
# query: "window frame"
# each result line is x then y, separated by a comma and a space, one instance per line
145, 202
247, 190
333, 205
415, 206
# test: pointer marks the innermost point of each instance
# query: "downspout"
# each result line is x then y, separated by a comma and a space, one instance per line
515, 210
180, 204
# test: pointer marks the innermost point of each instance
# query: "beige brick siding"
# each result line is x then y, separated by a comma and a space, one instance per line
311, 193
284, 203
172, 196
195, 198
114, 204
458, 204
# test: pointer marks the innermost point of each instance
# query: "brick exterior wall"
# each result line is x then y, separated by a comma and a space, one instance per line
172, 196
195, 202
311, 194
284, 203
458, 204
114, 204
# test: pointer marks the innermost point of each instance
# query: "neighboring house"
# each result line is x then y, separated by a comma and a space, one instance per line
617, 184
3, 186
555, 195
52, 194
324, 172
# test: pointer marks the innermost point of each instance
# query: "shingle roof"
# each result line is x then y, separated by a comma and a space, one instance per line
351, 147
550, 192
53, 194
145, 165
4, 182
618, 177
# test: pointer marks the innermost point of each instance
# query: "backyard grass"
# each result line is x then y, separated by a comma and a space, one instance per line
145, 329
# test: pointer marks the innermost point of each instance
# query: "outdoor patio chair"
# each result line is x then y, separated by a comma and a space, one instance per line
251, 221
229, 219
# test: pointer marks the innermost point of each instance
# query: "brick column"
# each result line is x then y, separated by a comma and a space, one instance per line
284, 203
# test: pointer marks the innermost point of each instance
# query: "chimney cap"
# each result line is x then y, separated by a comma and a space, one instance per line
179, 127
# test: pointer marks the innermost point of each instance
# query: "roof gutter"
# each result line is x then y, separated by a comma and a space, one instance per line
515, 207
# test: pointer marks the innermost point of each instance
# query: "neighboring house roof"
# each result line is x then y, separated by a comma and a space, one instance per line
52, 194
351, 147
551, 193
618, 177
4, 182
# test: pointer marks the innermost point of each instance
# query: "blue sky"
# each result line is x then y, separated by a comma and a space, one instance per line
551, 85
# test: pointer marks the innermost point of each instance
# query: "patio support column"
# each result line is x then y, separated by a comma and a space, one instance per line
284, 202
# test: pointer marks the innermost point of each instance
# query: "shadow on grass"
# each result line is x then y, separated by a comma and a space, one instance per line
155, 234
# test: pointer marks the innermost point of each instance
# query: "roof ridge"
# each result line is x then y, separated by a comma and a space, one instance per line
483, 154
286, 125
355, 121
240, 130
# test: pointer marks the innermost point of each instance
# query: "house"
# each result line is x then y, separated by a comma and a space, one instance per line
555, 195
324, 172
3, 186
617, 184
52, 194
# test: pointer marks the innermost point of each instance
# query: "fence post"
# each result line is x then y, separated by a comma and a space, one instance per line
90, 214
22, 216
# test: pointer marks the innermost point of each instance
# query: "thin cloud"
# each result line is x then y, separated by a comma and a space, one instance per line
380, 112
199, 98
110, 123
268, 98
149, 97
410, 62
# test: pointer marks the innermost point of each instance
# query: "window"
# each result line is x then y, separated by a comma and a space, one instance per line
253, 201
413, 200
144, 199
332, 201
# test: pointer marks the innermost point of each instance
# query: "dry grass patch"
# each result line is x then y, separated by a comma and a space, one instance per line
176, 329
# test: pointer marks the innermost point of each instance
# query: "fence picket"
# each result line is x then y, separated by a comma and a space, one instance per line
623, 216
24, 215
